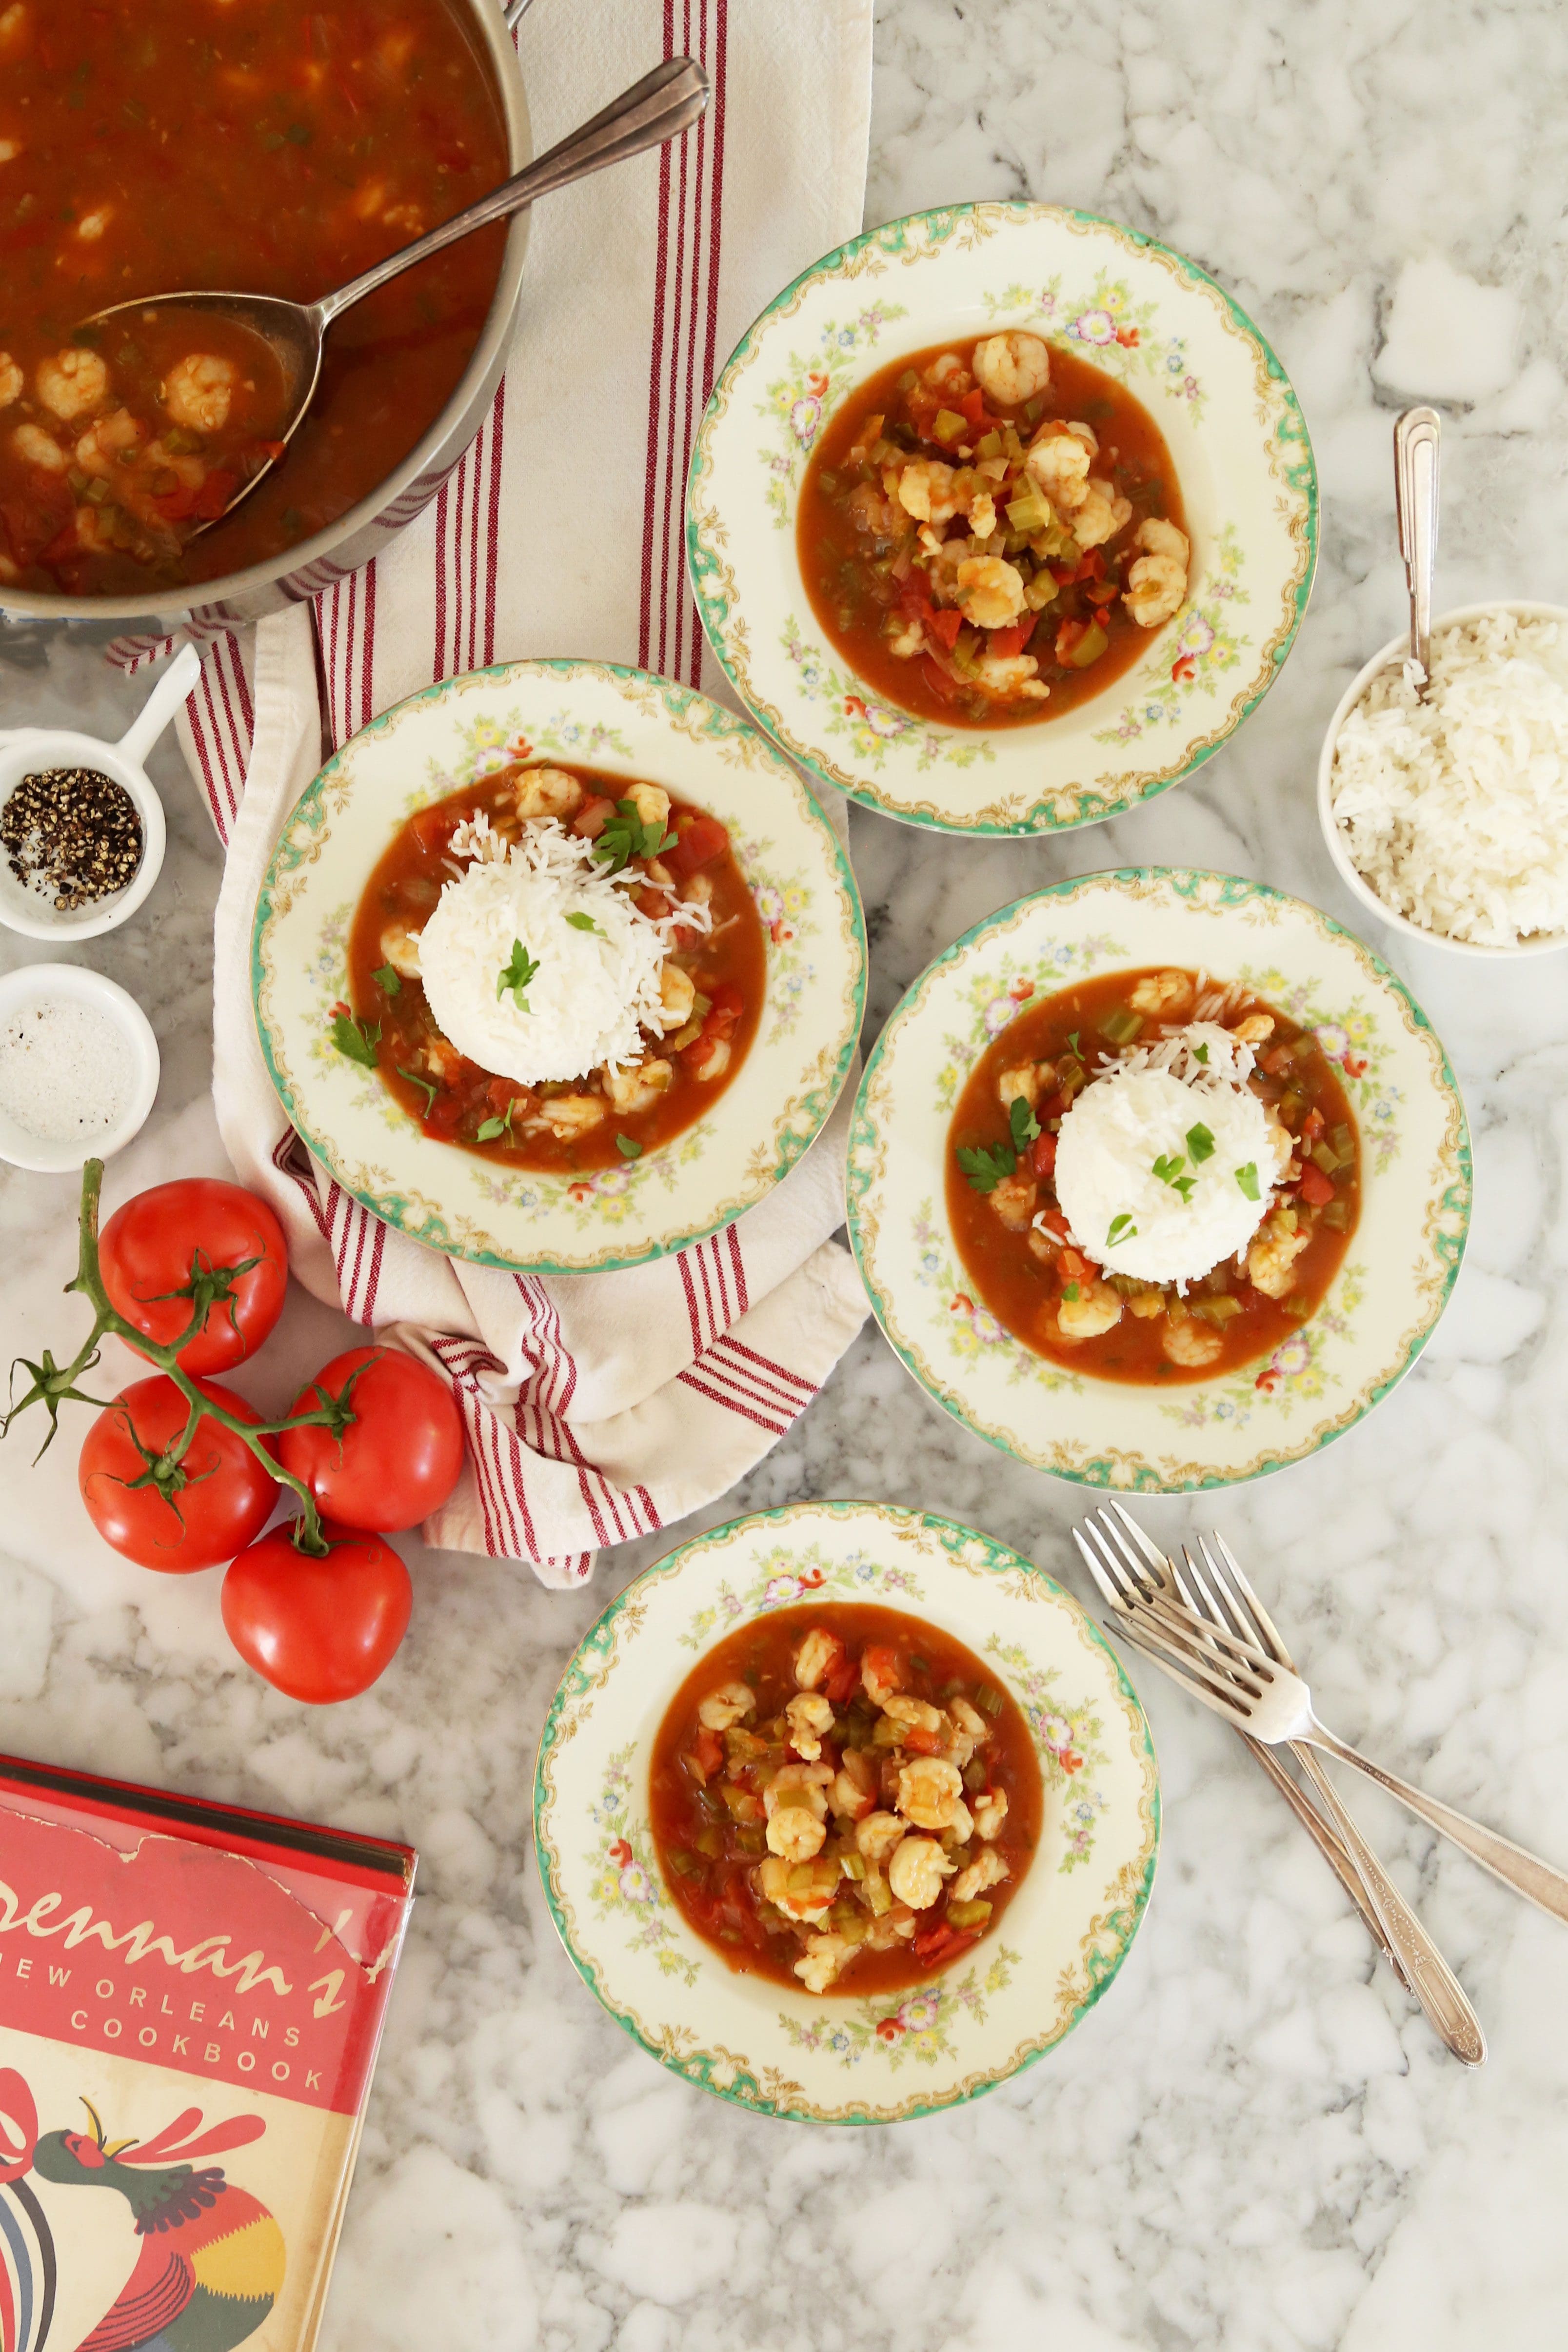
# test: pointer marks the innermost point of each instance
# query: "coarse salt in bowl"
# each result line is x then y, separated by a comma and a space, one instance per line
1514, 751
78, 1066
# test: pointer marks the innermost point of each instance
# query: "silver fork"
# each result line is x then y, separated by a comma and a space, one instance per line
1147, 1596
1272, 1702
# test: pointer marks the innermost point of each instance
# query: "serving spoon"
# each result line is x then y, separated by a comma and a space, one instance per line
657, 108
1417, 433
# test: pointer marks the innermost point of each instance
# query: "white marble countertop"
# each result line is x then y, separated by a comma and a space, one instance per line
1254, 2142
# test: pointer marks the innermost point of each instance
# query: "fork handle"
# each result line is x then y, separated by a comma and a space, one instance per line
1524, 1872
1430, 1977
1331, 1847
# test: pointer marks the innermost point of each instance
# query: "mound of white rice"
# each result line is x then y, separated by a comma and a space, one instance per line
1145, 1107
1455, 810
594, 988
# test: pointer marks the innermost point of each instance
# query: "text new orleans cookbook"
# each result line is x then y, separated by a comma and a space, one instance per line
191, 1997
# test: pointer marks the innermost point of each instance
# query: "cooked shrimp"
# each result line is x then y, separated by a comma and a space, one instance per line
987, 1869
823, 1957
845, 1797
100, 447
1157, 580
651, 802
639, 1088
198, 392
1270, 1259
569, 1116
990, 591
400, 948
1012, 367
916, 1715
729, 1704
990, 1812
876, 1834
73, 384
925, 489
1023, 1082
916, 1872
31, 441
1162, 994
1102, 514
1013, 675
804, 1785
1190, 1343
547, 791
930, 1790
950, 376
816, 1656
907, 641
677, 995
878, 1674
982, 515
12, 379
1057, 463
1096, 1308
1013, 1202
794, 1832
970, 1731
809, 1715
809, 1903
1254, 1029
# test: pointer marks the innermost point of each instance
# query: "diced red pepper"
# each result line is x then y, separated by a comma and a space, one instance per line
939, 1944
1070, 635
698, 841
1073, 1266
1313, 1126
945, 625
1317, 1190
1015, 636
921, 1742
971, 408
1054, 1223
1043, 1156
914, 597
706, 1754
445, 1114
941, 684
1278, 1062
841, 1682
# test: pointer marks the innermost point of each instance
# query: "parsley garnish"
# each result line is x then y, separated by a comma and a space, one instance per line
415, 1079
1073, 1036
494, 1127
625, 837
1069, 1290
1248, 1179
1168, 1169
356, 1039
515, 975
987, 1164
580, 922
386, 980
1123, 1229
1023, 1122
628, 1147
1200, 1053
1200, 1143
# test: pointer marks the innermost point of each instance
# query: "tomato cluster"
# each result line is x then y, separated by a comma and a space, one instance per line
384, 1447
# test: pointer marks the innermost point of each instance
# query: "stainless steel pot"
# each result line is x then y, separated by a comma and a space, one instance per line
367, 528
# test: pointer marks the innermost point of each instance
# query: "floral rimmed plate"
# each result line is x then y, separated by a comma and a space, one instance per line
1148, 317
835, 2058
1396, 1274
596, 714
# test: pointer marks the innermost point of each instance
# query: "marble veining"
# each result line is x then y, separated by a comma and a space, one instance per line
1253, 2144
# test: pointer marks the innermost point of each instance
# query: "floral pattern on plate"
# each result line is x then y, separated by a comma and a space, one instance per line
839, 2058
1147, 316
1384, 1300
595, 714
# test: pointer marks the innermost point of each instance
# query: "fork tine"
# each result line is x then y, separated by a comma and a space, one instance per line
1156, 1558
1098, 1574
1219, 1602
1224, 1697
1153, 1612
1215, 1631
1150, 1568
1266, 1624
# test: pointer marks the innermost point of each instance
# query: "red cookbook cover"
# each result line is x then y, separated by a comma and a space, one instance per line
191, 1999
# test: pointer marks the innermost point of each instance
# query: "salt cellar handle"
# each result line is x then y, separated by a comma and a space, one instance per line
1416, 434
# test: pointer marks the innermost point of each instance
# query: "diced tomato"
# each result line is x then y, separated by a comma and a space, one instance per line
1043, 1156
914, 597
592, 818
945, 625
1317, 1190
1015, 636
706, 1754
939, 1944
1070, 635
1278, 1062
431, 828
445, 1114
938, 679
1054, 1223
1101, 591
1074, 1266
1312, 1125
841, 1682
1092, 565
700, 840
921, 1742
972, 407
728, 1006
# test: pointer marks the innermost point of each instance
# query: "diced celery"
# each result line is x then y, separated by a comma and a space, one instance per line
1297, 1305
1030, 512
948, 427
1336, 1215
800, 1878
751, 1838
1122, 1025
968, 1914
878, 1894
1011, 443
966, 648
1343, 1143
686, 1864
974, 1775
1040, 592
988, 1699
1326, 1158
709, 1840
1032, 408
1089, 646
909, 379
1214, 1310
854, 1865
989, 445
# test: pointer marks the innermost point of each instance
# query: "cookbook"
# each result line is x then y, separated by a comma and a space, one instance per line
191, 1999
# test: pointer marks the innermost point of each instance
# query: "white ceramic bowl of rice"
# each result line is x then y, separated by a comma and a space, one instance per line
1448, 819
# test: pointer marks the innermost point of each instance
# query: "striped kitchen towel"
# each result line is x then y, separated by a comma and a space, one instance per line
598, 1407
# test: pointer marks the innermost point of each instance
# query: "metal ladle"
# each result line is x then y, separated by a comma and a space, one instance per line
662, 104
1416, 434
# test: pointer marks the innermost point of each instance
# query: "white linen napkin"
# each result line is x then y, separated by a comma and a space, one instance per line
598, 1407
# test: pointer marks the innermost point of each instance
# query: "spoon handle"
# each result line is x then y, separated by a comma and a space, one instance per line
665, 102
1415, 441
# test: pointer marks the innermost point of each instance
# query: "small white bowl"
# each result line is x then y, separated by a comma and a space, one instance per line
26, 750
1391, 656
74, 983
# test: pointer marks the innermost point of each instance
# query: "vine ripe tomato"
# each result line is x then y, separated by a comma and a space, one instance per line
187, 1515
396, 1461
164, 1246
318, 1630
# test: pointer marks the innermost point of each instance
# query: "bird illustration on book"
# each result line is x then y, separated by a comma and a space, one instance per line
212, 2257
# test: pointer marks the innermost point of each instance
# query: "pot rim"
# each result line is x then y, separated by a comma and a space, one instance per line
206, 596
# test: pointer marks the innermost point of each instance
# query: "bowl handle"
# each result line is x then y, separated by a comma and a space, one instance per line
160, 705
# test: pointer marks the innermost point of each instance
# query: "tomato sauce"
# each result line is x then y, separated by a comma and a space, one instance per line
1021, 1275
869, 574
466, 1105
711, 1855
167, 145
